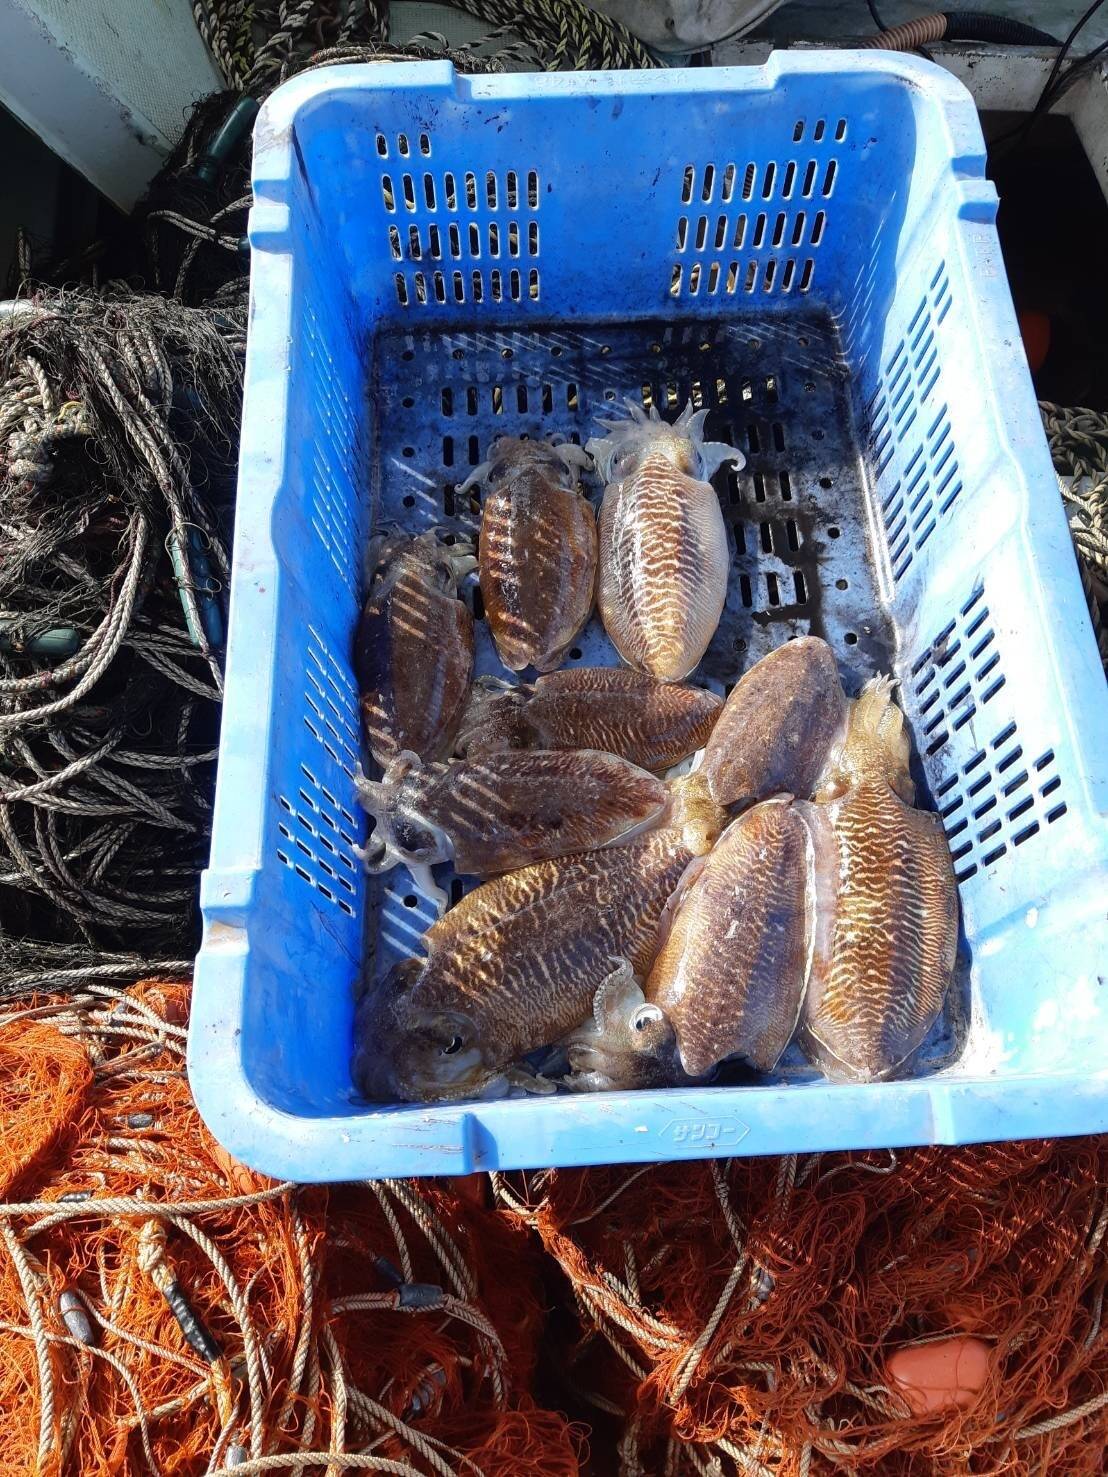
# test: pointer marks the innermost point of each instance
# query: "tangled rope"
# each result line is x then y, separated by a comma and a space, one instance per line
566, 34
1079, 445
187, 237
257, 51
166, 1311
741, 1316
257, 45
118, 427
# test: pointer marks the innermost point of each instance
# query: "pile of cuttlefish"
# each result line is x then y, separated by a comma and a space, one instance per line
644, 930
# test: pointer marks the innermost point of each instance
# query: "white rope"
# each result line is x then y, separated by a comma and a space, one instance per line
1066, 1418
27, 1283
298, 1459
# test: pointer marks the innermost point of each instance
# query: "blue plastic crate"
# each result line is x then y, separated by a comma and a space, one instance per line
807, 248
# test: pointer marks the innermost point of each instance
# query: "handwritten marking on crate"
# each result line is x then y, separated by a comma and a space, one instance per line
755, 228
994, 796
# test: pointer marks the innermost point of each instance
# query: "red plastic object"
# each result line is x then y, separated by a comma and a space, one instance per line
940, 1374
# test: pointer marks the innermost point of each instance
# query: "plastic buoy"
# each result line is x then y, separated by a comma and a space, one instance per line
1035, 332
944, 1373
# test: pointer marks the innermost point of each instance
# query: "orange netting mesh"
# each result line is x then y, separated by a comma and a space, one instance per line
43, 1082
744, 1312
164, 1310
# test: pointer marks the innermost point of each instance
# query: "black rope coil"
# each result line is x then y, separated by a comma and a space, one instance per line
118, 428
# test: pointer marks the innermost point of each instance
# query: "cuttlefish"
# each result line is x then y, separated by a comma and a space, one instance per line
517, 963
503, 811
537, 550
837, 915
778, 727
653, 724
413, 652
663, 543
886, 931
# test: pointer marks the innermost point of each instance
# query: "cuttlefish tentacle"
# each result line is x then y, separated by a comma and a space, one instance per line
636, 429
405, 831
424, 880
575, 457
506, 810
477, 476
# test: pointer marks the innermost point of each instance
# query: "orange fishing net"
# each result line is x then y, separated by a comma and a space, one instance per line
163, 1310
740, 1316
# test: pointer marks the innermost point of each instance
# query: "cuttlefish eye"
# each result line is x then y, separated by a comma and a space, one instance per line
452, 1046
624, 465
412, 839
650, 1032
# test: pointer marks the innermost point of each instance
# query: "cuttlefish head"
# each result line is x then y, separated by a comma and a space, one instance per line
403, 832
494, 718
627, 1042
639, 434
438, 558
693, 812
410, 1052
559, 461
877, 746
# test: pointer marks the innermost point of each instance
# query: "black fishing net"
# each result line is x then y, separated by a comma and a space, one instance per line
119, 422
118, 432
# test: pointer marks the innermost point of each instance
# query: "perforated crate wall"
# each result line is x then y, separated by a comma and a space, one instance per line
438, 258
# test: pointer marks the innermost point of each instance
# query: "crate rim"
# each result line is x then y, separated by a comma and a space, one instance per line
462, 1138
278, 113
